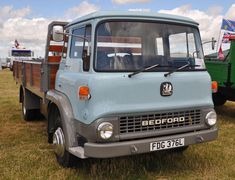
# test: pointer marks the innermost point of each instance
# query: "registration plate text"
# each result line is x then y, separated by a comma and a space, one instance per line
168, 144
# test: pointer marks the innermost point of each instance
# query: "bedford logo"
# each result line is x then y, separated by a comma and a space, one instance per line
163, 121
166, 89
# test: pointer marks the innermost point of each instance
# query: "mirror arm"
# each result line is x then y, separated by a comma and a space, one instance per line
69, 34
208, 42
81, 37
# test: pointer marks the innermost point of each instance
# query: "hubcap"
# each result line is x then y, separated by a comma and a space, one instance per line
24, 110
59, 142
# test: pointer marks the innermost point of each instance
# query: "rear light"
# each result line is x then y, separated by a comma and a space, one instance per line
214, 86
84, 93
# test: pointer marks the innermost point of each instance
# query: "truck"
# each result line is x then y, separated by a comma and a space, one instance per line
120, 83
5, 63
19, 53
223, 71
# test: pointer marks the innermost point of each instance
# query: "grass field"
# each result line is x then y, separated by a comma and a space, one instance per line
25, 154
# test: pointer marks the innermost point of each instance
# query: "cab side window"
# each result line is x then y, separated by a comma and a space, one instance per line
77, 43
80, 45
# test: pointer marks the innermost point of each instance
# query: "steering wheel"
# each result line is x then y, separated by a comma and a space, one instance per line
128, 58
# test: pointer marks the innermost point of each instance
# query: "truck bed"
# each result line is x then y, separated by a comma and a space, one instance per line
218, 70
31, 74
223, 71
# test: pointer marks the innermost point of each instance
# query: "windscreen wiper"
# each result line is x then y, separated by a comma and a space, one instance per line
142, 70
182, 67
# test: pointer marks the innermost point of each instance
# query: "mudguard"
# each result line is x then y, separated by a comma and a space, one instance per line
67, 117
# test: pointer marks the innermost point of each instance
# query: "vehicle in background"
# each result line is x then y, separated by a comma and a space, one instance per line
19, 53
120, 83
223, 71
5, 63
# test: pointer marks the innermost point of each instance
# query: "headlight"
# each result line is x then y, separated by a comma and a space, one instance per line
105, 130
211, 118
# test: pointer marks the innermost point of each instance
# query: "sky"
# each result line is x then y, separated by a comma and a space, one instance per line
27, 20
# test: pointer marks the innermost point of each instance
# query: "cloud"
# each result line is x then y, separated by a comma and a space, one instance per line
7, 12
231, 13
130, 1
83, 9
30, 32
215, 10
209, 22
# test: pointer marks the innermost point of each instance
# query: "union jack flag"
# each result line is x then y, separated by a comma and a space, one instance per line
227, 36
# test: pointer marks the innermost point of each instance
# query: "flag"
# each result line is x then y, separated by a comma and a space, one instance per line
227, 36
221, 54
228, 25
17, 44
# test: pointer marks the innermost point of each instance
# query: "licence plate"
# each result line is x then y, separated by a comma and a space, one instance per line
168, 144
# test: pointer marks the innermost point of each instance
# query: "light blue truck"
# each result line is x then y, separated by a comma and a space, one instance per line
120, 83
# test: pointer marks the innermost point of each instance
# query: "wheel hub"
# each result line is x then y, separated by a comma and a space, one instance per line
24, 110
59, 142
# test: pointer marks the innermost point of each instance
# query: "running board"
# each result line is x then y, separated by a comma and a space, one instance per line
78, 151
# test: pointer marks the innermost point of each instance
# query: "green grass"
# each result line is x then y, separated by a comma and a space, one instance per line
25, 154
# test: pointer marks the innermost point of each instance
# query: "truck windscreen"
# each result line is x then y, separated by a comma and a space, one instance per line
130, 46
21, 53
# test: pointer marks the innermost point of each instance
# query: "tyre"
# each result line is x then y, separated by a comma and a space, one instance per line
218, 99
63, 157
26, 113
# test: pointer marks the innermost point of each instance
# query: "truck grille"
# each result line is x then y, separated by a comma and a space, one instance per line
131, 124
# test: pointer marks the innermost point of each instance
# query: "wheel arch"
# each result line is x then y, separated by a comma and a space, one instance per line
60, 101
21, 94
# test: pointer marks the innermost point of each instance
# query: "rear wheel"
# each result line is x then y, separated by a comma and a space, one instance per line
218, 99
26, 113
29, 114
63, 157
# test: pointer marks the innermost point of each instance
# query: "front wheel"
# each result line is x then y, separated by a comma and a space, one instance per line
63, 157
218, 99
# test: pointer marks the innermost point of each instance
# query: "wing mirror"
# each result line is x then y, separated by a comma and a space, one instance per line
57, 33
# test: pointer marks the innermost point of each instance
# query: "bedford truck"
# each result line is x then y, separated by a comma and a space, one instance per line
120, 83
223, 71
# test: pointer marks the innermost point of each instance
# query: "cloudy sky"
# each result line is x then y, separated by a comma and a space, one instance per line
27, 20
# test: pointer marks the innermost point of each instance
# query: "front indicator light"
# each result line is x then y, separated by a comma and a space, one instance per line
84, 93
214, 86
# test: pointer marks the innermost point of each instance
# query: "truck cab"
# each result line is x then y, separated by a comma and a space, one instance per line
19, 54
126, 83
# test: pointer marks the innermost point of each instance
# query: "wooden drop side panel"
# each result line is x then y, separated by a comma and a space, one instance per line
17, 71
36, 76
27, 74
